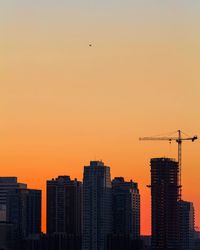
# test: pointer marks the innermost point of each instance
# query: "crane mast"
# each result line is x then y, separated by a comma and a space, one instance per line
179, 139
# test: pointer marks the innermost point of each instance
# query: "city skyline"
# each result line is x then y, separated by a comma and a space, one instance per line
98, 212
66, 176
79, 215
64, 102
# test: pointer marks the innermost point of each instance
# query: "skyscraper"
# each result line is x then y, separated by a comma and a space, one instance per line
97, 206
7, 184
64, 212
20, 212
186, 220
8, 236
164, 196
125, 215
24, 210
126, 208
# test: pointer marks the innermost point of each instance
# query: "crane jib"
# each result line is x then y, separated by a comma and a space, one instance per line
179, 139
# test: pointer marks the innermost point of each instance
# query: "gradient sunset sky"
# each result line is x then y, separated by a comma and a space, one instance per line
64, 103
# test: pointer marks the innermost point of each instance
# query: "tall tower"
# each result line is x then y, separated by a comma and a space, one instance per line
164, 197
23, 213
97, 206
125, 215
64, 205
126, 208
24, 210
186, 219
7, 184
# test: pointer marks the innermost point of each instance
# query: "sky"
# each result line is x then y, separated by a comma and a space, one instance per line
64, 103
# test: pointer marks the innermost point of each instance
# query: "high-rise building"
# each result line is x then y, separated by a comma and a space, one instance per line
8, 236
197, 239
97, 206
7, 184
64, 212
20, 211
164, 196
146, 240
186, 219
24, 210
125, 215
126, 208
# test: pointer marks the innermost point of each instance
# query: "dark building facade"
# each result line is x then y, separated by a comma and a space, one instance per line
60, 241
186, 221
7, 184
97, 206
124, 242
8, 236
164, 197
64, 213
24, 210
20, 213
197, 244
126, 208
35, 242
125, 216
146, 240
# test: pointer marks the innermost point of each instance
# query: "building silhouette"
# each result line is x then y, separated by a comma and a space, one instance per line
146, 240
125, 215
7, 184
97, 206
8, 236
186, 219
20, 213
164, 197
24, 210
64, 213
197, 239
126, 208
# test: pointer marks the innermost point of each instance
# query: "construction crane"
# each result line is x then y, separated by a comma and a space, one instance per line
179, 139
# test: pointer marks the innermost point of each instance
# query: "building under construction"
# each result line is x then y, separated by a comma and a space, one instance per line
164, 194
172, 218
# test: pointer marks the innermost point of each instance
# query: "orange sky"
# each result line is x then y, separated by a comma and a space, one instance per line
63, 103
